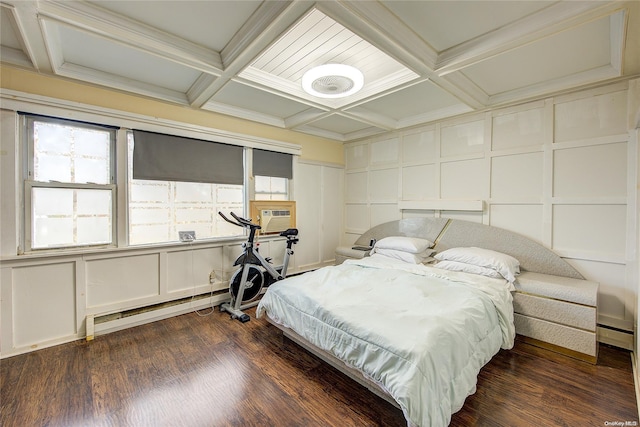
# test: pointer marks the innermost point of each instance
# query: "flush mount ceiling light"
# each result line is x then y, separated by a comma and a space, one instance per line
332, 81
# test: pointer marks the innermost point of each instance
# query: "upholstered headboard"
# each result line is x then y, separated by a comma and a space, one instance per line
449, 233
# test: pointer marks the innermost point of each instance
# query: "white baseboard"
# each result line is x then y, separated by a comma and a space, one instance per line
634, 367
96, 329
615, 337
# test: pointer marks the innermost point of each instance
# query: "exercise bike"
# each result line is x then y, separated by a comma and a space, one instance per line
255, 271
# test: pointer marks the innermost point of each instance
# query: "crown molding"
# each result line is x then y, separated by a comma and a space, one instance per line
37, 104
112, 81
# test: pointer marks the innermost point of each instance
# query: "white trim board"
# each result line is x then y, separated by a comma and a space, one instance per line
442, 205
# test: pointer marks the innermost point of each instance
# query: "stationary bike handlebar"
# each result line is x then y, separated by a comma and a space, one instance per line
239, 221
289, 233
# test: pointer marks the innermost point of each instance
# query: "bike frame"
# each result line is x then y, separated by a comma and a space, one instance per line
251, 257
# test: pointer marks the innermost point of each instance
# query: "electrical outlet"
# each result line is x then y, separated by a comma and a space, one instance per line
187, 236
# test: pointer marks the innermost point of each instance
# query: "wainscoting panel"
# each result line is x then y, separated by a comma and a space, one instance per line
43, 303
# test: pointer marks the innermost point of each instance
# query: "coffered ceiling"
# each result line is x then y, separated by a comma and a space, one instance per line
421, 60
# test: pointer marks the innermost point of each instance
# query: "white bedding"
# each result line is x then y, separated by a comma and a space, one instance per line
420, 332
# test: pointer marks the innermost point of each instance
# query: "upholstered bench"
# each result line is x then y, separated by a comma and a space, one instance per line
558, 313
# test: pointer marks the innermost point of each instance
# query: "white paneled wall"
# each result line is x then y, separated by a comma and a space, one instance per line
555, 170
45, 299
318, 194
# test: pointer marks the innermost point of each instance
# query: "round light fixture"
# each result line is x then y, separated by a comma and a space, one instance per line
332, 81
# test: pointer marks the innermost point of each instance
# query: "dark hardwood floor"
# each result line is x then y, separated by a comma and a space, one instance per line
212, 371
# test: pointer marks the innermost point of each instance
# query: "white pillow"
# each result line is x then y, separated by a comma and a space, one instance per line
504, 264
413, 245
468, 268
405, 256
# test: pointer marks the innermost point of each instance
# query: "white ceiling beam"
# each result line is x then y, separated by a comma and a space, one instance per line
202, 83
384, 93
284, 88
603, 73
618, 24
373, 22
15, 57
233, 111
23, 16
323, 133
103, 23
363, 133
53, 44
262, 28
558, 17
372, 118
253, 29
433, 115
461, 84
305, 117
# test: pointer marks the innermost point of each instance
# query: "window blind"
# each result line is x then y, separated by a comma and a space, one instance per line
163, 157
271, 163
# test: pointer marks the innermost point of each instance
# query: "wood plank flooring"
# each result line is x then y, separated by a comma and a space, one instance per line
211, 371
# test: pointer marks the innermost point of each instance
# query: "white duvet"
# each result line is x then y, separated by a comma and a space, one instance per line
421, 333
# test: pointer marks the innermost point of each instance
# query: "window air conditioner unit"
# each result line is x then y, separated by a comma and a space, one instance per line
275, 220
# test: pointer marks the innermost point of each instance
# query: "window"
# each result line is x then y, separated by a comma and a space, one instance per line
159, 209
69, 187
272, 172
172, 184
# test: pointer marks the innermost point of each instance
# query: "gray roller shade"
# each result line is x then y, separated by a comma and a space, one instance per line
271, 163
163, 157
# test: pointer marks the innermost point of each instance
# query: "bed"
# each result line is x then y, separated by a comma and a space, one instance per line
400, 321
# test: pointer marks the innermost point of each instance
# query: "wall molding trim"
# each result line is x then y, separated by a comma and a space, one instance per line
21, 101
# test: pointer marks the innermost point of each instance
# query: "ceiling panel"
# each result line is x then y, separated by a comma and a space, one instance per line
584, 48
444, 24
250, 98
208, 23
411, 101
79, 48
339, 124
422, 60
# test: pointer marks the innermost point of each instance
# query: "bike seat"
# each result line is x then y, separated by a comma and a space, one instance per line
289, 232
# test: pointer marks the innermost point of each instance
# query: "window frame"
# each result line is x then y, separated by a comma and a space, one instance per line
30, 183
128, 178
66, 112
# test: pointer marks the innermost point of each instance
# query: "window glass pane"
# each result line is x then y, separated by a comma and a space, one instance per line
279, 185
70, 217
72, 154
263, 184
159, 210
271, 188
52, 168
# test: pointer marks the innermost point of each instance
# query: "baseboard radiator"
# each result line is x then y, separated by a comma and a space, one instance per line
100, 324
